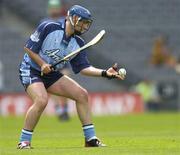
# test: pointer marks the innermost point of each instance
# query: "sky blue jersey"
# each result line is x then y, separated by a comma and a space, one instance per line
51, 44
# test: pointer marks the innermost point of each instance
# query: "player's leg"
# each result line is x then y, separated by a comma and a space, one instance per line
69, 88
38, 94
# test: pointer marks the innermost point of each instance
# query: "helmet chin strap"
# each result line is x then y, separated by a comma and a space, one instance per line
74, 24
77, 32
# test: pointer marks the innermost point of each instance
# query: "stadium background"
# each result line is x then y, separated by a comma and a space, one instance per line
131, 28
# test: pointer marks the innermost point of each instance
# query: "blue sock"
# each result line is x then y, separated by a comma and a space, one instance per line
89, 132
65, 108
26, 135
58, 109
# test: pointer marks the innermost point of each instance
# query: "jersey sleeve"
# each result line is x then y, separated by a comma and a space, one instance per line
80, 61
36, 39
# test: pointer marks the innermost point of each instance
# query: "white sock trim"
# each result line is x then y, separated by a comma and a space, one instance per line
27, 132
88, 127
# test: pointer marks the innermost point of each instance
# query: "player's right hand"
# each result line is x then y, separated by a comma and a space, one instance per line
46, 68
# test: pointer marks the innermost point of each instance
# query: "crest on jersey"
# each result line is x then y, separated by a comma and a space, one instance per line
53, 54
35, 36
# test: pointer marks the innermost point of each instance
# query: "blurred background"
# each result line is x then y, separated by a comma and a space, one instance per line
141, 36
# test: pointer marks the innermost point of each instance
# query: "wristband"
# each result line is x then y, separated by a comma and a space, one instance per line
104, 74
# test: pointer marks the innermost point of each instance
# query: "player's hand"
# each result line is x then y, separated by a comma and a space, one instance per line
45, 68
113, 72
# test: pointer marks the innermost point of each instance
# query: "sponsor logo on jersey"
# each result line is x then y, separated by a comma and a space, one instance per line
53, 54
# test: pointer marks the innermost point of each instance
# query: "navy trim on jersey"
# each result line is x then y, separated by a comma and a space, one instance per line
35, 41
81, 61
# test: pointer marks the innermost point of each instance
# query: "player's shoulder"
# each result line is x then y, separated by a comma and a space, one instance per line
79, 40
62, 20
49, 25
45, 20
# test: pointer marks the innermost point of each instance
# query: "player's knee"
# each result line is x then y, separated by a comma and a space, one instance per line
83, 95
41, 101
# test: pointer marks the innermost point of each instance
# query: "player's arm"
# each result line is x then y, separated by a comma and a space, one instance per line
110, 73
91, 71
45, 68
81, 64
34, 44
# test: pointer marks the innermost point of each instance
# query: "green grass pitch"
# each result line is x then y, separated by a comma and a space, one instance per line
153, 133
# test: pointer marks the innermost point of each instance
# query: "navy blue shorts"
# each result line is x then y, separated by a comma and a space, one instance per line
30, 75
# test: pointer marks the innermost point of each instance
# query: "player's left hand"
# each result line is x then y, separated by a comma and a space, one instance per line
113, 72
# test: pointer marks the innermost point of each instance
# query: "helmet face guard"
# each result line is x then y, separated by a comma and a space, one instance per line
84, 20
82, 26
